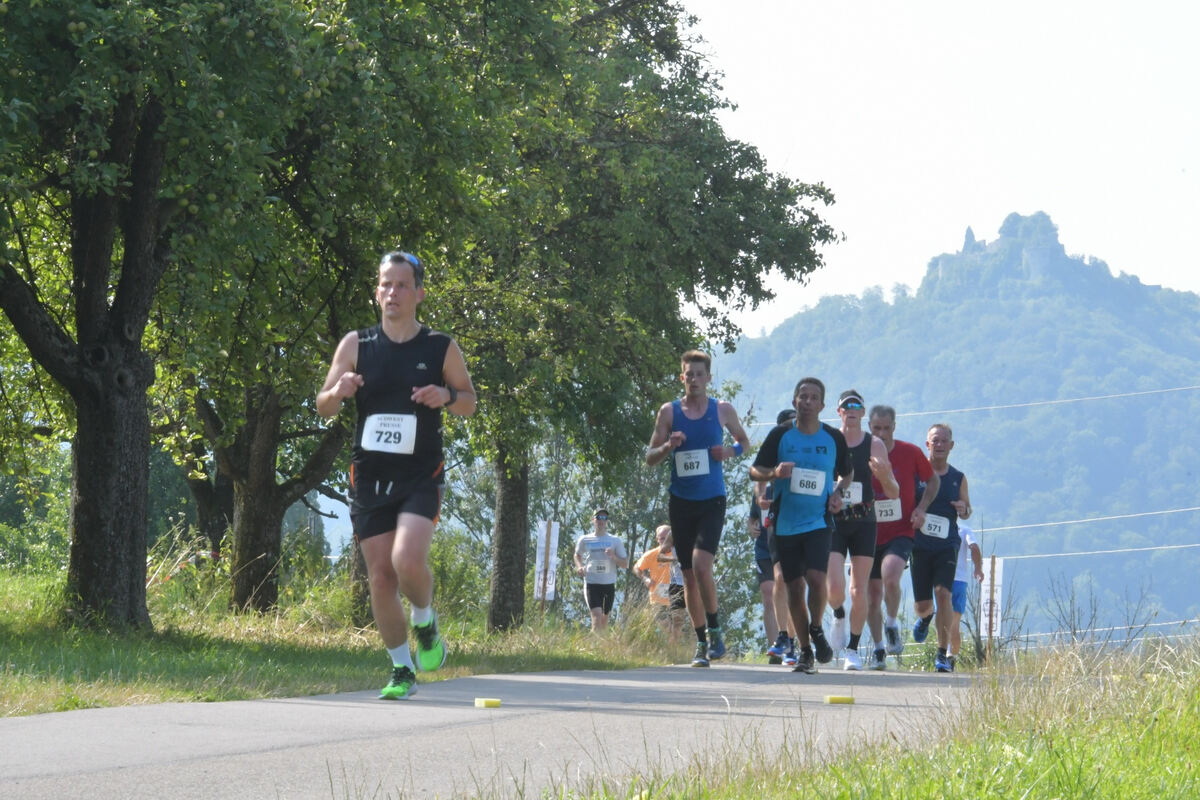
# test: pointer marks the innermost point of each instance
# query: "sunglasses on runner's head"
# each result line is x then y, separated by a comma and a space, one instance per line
602, 516
852, 405
400, 255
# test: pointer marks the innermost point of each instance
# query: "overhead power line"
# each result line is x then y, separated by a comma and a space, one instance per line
1103, 552
1091, 519
1135, 627
1030, 404
1051, 402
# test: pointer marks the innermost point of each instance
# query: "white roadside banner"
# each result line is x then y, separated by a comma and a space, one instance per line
547, 560
990, 598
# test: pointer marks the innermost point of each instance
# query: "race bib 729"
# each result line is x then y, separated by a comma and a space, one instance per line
390, 433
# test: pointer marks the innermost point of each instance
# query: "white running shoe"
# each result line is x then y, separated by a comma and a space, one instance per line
852, 662
839, 634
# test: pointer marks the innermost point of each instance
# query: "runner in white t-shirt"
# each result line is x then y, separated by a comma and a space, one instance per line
598, 556
969, 555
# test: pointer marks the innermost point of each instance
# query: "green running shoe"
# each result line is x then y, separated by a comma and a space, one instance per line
431, 647
402, 686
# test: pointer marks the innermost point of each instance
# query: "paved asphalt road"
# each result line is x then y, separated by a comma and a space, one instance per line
552, 730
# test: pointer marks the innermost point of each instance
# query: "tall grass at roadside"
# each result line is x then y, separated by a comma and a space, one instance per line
1069, 723
202, 651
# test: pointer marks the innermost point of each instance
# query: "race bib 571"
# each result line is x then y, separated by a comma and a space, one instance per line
935, 526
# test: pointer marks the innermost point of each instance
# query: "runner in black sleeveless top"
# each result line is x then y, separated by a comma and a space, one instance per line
401, 375
854, 528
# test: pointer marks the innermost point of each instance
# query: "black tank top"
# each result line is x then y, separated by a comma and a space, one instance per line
860, 458
396, 439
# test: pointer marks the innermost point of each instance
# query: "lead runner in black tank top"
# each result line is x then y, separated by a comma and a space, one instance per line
401, 375
390, 371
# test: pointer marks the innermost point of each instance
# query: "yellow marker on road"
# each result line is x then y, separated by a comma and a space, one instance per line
487, 702
839, 699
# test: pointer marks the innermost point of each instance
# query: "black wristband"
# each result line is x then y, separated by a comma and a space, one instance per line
453, 395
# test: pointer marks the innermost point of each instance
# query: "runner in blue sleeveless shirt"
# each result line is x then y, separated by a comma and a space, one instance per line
690, 432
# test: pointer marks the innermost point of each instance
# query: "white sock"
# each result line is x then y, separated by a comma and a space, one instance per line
401, 657
892, 622
422, 616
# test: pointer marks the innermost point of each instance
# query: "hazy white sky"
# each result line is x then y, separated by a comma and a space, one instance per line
926, 117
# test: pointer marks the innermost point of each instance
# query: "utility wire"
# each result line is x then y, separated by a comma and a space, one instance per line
1102, 552
1091, 519
1179, 622
1030, 404
1050, 402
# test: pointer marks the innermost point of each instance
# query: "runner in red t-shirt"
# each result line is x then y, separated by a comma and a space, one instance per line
895, 521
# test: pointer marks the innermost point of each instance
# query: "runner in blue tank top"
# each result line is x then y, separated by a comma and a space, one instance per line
690, 432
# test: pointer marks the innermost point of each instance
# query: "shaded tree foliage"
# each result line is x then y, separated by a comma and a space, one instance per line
128, 127
193, 198
619, 199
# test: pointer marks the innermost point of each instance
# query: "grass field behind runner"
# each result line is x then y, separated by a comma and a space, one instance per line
202, 652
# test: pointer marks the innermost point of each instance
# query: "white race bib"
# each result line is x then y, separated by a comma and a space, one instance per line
807, 481
887, 510
691, 463
660, 591
390, 433
852, 494
599, 567
935, 526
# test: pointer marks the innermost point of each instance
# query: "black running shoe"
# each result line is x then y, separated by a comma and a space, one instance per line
806, 663
824, 650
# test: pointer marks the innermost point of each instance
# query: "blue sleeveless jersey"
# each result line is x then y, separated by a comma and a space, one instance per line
703, 478
948, 490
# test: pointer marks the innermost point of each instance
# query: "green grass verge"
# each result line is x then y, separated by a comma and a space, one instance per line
1066, 724
202, 652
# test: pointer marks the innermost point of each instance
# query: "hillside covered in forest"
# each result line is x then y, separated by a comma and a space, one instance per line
1073, 395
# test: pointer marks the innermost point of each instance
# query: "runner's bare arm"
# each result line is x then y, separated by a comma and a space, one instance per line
458, 395
927, 497
729, 420
341, 381
963, 504
881, 468
663, 441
